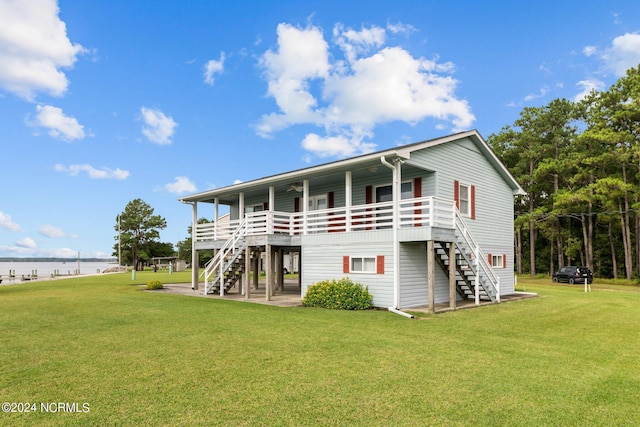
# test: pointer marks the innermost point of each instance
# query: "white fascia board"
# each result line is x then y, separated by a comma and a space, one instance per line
296, 175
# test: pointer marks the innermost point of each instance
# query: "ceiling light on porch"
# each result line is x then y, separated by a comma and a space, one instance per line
296, 186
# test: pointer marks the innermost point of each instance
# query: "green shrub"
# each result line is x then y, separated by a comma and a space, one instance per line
154, 284
340, 294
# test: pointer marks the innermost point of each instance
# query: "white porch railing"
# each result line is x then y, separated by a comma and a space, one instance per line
417, 212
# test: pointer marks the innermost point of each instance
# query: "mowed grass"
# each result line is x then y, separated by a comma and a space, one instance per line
152, 358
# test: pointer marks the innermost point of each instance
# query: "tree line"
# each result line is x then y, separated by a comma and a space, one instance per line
579, 163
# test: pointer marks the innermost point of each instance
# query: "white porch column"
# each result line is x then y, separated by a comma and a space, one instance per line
305, 204
272, 198
241, 206
216, 206
347, 200
269, 272
194, 252
272, 202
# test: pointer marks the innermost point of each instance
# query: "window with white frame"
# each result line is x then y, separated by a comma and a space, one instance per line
254, 208
363, 264
497, 261
465, 199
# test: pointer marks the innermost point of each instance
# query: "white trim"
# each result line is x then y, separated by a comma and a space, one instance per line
467, 200
362, 258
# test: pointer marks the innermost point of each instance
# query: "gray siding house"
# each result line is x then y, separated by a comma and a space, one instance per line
419, 224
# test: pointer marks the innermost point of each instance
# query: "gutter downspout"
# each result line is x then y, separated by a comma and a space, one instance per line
396, 244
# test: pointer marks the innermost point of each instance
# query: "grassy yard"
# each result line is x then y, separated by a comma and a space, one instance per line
148, 358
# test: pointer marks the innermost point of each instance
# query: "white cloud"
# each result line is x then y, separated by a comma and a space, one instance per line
337, 146
373, 85
59, 126
54, 232
34, 47
588, 86
157, 127
543, 91
181, 185
7, 223
93, 173
355, 43
400, 28
213, 67
623, 54
27, 242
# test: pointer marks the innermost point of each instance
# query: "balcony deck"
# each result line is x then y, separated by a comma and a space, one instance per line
285, 228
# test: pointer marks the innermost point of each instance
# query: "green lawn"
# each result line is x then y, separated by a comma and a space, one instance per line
148, 358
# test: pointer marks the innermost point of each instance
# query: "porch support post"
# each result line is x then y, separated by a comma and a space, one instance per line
194, 251
247, 272
280, 269
305, 204
216, 205
269, 272
347, 200
452, 275
431, 258
300, 268
241, 206
256, 267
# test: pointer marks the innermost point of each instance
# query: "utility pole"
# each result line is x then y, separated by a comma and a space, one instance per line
119, 250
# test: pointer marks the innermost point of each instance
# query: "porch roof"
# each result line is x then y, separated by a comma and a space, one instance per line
357, 165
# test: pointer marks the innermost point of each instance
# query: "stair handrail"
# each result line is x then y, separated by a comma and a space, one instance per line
481, 260
215, 263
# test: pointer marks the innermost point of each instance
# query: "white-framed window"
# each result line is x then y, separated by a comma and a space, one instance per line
465, 199
363, 265
497, 261
254, 208
384, 193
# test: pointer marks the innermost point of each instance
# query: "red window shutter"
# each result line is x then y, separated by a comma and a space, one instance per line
296, 204
265, 206
456, 193
490, 259
504, 260
345, 264
417, 192
380, 264
330, 200
473, 202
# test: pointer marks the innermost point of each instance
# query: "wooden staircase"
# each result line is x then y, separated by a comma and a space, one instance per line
474, 277
223, 271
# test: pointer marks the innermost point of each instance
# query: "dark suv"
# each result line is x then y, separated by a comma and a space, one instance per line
573, 275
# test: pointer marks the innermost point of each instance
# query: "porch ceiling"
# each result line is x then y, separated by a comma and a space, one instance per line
317, 176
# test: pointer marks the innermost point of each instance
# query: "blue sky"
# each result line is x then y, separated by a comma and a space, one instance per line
102, 102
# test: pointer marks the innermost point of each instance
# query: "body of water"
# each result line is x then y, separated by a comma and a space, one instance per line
29, 269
